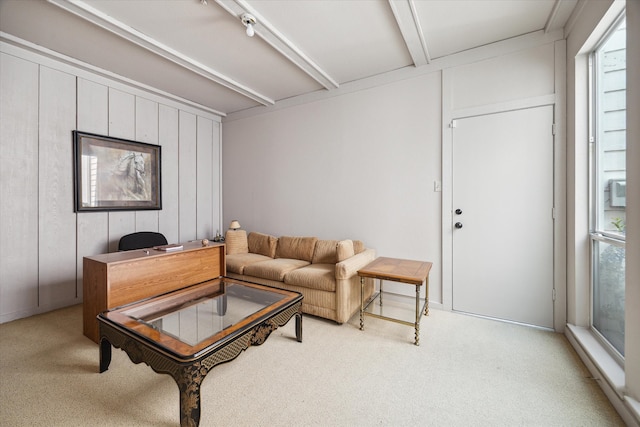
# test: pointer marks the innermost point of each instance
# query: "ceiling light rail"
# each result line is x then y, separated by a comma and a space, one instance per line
262, 27
89, 13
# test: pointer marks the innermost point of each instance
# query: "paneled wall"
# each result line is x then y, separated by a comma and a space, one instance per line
42, 240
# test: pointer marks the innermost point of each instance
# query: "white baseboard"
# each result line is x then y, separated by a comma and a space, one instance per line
31, 311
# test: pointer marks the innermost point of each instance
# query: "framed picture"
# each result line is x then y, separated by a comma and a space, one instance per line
113, 174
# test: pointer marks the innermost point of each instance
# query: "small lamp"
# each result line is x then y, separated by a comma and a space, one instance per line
234, 225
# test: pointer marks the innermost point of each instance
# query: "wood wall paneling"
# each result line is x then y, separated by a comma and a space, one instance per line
57, 227
216, 173
92, 228
204, 196
187, 191
42, 240
146, 121
168, 139
146, 131
18, 186
121, 125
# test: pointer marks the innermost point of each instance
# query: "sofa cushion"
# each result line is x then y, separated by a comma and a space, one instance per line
314, 276
344, 250
325, 252
273, 269
262, 244
358, 246
237, 262
236, 242
296, 247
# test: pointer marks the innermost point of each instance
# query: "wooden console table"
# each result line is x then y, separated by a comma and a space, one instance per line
118, 278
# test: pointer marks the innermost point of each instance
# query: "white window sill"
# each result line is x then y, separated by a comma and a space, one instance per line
605, 369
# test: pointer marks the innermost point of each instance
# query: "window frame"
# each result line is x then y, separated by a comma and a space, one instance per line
597, 235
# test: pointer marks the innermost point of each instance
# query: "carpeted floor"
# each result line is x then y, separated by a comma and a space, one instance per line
467, 371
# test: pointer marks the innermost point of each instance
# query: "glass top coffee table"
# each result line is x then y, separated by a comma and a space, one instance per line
187, 332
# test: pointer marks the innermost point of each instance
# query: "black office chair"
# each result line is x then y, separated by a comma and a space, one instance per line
141, 240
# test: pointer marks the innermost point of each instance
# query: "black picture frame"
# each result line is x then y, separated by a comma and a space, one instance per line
114, 174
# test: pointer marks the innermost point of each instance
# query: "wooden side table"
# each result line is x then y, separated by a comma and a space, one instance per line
396, 270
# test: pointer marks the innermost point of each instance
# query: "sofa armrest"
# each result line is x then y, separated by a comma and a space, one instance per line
350, 266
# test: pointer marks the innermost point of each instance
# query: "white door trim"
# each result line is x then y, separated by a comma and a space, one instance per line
558, 100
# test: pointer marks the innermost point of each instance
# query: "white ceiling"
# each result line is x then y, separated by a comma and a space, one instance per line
200, 52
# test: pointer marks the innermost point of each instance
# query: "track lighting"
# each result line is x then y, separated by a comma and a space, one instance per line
249, 21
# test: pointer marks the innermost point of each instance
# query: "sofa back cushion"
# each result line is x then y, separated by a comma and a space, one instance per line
345, 250
325, 252
262, 244
358, 246
236, 242
296, 247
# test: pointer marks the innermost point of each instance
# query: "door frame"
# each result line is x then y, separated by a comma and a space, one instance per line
449, 115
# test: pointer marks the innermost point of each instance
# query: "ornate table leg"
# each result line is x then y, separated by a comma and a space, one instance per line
105, 354
189, 379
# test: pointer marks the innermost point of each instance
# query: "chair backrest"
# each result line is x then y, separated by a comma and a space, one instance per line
140, 240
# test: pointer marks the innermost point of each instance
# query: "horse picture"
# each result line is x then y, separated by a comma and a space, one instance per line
127, 181
115, 174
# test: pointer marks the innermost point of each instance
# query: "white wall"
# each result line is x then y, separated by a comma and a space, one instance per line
42, 240
359, 166
362, 165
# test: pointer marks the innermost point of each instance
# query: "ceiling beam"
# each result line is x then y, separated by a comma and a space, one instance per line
552, 17
87, 12
279, 42
409, 24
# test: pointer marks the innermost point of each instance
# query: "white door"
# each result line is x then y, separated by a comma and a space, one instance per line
503, 225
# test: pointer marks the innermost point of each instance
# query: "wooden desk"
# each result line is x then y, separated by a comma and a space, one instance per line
114, 279
396, 270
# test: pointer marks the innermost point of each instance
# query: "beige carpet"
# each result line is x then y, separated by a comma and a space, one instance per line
466, 372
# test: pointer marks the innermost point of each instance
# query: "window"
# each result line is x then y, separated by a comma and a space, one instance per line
608, 187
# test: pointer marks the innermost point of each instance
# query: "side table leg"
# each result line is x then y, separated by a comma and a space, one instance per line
105, 354
426, 296
418, 314
362, 303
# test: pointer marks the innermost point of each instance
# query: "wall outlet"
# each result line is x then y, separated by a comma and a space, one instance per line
437, 186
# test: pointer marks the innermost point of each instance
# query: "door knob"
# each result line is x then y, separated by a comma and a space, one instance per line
458, 225
458, 211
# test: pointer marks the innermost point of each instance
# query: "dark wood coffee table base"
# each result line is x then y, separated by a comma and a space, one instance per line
189, 374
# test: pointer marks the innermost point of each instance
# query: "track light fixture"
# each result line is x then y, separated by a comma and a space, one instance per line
249, 21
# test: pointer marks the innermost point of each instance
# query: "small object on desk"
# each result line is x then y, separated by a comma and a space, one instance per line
169, 248
205, 242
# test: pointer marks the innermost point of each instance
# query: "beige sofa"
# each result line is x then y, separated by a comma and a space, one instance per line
324, 271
